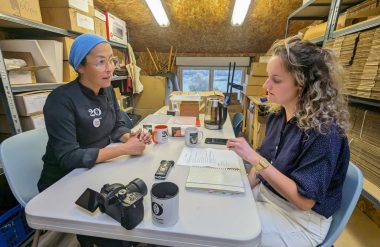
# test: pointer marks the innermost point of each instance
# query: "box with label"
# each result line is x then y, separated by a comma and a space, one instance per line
30, 103
82, 5
255, 80
116, 29
258, 69
21, 75
100, 23
68, 18
69, 74
32, 122
250, 90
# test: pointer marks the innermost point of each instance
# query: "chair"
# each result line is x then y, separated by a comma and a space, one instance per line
237, 123
21, 157
352, 188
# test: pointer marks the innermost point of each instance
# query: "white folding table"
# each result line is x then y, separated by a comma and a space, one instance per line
205, 219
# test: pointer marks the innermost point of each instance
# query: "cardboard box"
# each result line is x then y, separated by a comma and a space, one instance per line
258, 69
189, 108
320, 29
30, 9
100, 23
255, 80
44, 53
24, 75
82, 5
32, 122
264, 59
253, 90
10, 7
67, 43
69, 74
30, 103
153, 95
68, 18
116, 29
204, 96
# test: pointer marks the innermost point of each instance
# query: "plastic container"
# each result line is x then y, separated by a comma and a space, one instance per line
13, 227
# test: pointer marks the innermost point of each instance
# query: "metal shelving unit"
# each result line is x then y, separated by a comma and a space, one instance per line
36, 86
365, 25
29, 29
318, 10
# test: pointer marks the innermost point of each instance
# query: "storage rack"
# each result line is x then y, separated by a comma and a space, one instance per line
326, 10
329, 10
27, 28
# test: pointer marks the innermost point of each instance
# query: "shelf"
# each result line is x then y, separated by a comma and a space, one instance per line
371, 192
28, 28
35, 86
361, 26
364, 101
318, 9
12, 22
118, 78
317, 40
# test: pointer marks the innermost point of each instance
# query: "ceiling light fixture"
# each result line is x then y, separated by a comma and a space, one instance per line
239, 12
158, 12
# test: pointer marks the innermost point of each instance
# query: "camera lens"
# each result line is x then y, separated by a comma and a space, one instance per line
137, 185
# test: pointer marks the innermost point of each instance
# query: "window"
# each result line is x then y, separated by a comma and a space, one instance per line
221, 76
209, 78
194, 79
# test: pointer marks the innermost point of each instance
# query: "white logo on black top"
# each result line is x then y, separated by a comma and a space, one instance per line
95, 112
96, 122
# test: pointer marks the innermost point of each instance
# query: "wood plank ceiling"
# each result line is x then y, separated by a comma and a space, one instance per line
203, 26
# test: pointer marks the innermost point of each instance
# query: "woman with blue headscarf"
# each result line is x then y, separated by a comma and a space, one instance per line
83, 117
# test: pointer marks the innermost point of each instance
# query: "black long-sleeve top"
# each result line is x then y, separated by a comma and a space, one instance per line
78, 123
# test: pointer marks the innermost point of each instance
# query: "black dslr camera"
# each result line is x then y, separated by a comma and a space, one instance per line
124, 203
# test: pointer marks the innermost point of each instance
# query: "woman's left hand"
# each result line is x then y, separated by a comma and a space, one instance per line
144, 137
244, 150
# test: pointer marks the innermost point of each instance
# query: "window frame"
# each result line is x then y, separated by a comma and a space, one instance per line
211, 70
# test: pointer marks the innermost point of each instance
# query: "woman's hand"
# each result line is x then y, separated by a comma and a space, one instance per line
133, 146
244, 150
144, 137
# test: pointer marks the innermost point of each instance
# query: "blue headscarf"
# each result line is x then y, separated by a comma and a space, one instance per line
82, 45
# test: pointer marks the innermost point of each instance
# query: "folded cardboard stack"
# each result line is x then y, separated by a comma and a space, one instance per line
365, 142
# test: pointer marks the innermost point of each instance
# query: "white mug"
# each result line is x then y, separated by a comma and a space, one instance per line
160, 134
193, 136
165, 204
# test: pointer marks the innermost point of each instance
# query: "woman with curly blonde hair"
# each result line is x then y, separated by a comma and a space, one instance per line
297, 174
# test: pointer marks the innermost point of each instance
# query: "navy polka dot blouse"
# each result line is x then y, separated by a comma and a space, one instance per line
316, 162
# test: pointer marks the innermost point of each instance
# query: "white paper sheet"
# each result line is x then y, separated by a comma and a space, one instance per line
208, 157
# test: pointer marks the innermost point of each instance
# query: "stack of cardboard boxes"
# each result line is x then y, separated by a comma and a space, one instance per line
69, 73
29, 107
26, 9
253, 85
73, 15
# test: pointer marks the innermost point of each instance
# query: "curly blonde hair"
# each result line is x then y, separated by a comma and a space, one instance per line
318, 76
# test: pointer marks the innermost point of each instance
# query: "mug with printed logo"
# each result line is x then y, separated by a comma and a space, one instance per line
193, 136
165, 204
160, 134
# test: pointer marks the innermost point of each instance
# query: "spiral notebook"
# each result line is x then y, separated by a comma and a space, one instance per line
215, 179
